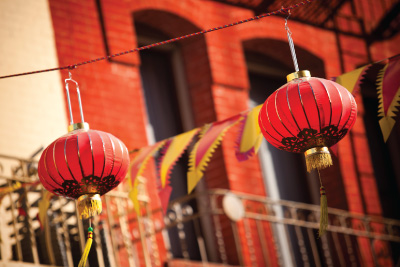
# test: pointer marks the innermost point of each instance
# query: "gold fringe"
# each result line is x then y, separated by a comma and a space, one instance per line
318, 161
86, 251
323, 219
89, 205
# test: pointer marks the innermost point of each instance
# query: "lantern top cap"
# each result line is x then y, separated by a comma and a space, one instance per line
298, 74
78, 126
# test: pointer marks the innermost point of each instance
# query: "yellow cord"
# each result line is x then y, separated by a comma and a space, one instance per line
323, 219
86, 251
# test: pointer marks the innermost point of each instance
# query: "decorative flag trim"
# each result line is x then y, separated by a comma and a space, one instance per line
249, 137
198, 162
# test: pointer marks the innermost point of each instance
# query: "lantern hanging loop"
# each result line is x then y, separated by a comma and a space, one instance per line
82, 124
69, 100
291, 44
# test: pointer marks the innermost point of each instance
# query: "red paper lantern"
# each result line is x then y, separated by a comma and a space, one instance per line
308, 115
83, 164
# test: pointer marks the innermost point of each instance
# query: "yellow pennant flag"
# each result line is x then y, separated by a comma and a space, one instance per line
250, 136
5, 190
351, 80
210, 137
176, 146
44, 205
133, 194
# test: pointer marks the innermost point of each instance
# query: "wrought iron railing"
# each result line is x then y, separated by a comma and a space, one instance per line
195, 227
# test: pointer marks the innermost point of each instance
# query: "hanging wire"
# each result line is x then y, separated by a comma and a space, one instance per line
291, 45
283, 10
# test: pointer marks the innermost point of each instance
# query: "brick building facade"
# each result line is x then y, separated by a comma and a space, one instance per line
147, 97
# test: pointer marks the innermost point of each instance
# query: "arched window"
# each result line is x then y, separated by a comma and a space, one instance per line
168, 75
165, 87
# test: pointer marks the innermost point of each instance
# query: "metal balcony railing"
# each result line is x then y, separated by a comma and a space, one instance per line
195, 228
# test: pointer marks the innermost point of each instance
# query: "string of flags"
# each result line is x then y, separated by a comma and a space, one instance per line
248, 139
249, 136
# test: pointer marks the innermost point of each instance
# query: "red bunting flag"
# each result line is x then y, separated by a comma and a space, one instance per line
139, 162
164, 193
389, 95
210, 137
137, 167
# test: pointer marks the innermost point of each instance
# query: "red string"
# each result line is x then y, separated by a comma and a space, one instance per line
283, 10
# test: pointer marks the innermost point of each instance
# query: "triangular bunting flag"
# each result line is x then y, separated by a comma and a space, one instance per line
173, 151
164, 194
389, 95
44, 205
8, 189
211, 136
137, 167
133, 193
138, 164
250, 136
351, 80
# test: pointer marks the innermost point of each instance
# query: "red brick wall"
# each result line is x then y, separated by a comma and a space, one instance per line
217, 81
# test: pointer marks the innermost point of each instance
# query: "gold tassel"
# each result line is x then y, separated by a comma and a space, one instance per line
86, 251
323, 219
89, 205
318, 158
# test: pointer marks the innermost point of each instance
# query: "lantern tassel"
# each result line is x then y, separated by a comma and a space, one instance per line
89, 205
82, 262
318, 158
323, 219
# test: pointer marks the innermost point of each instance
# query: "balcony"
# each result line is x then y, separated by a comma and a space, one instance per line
196, 231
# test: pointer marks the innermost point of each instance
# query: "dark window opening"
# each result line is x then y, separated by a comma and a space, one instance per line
157, 69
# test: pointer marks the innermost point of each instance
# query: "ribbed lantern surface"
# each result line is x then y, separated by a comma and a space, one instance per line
306, 113
83, 162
